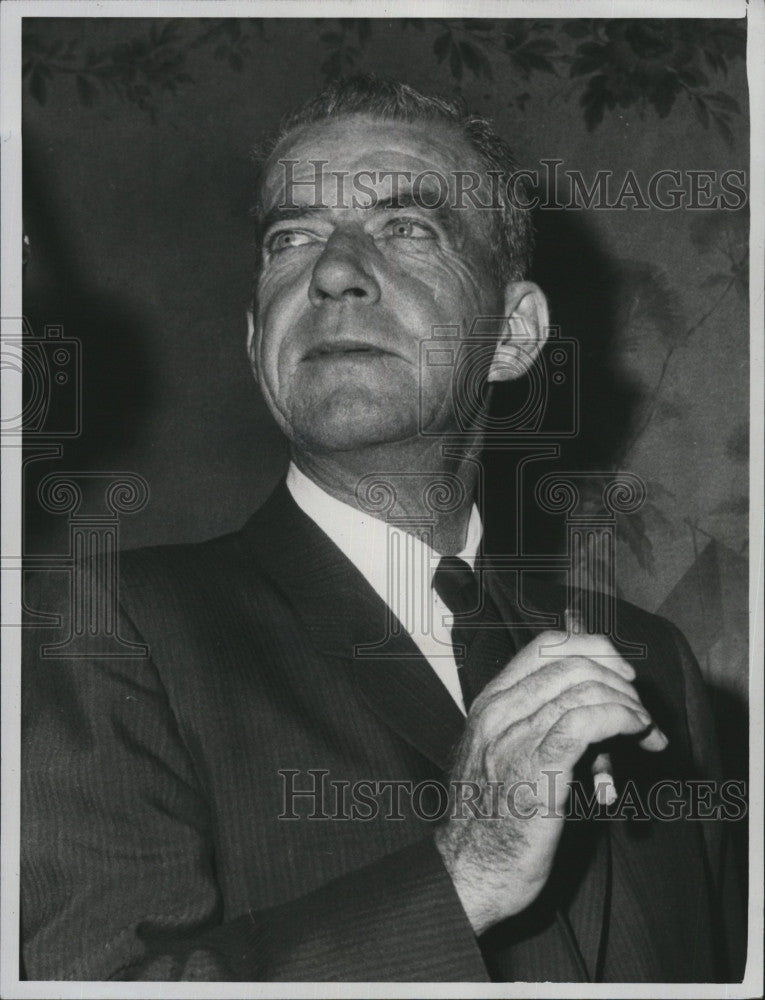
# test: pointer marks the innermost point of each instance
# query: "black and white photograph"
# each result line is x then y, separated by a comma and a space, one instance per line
382, 499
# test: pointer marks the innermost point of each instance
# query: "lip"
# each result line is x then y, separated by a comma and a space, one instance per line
346, 348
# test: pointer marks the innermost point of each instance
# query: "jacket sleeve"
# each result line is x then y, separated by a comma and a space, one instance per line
730, 912
118, 866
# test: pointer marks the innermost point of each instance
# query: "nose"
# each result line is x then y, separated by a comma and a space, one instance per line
341, 276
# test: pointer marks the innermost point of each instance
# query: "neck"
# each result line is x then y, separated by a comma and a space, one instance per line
392, 482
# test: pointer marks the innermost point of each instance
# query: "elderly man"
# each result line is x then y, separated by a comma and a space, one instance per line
305, 778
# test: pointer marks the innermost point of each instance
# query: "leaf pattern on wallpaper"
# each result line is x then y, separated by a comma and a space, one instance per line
650, 62
343, 42
530, 47
723, 238
648, 306
647, 64
648, 301
637, 530
647, 298
137, 70
650, 320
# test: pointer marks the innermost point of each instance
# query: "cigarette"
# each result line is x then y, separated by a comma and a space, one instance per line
603, 780
602, 769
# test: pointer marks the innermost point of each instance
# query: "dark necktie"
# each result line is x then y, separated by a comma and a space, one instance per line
482, 647
481, 642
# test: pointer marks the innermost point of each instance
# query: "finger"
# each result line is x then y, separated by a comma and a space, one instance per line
655, 740
551, 679
594, 646
576, 729
505, 706
602, 764
603, 779
540, 651
589, 693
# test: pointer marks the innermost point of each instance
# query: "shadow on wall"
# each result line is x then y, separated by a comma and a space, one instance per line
572, 268
115, 351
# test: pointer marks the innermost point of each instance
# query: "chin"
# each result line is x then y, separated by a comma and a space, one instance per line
343, 424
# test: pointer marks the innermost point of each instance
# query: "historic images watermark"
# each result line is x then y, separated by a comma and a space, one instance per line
552, 186
311, 794
46, 414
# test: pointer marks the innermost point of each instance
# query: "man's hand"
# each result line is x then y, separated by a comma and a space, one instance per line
538, 715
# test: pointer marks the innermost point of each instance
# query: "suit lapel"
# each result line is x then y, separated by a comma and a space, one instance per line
408, 697
347, 620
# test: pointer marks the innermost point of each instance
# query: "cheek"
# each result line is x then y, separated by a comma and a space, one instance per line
436, 394
449, 280
474, 279
282, 298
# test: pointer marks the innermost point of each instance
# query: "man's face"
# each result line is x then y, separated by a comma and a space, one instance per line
347, 294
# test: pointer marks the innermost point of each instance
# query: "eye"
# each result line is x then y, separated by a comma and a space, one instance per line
285, 239
408, 229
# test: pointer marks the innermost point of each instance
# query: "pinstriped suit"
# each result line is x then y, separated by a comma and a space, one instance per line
152, 847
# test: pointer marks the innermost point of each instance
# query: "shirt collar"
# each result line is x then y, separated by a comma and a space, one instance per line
366, 540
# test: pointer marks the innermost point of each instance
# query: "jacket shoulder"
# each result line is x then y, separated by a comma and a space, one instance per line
186, 563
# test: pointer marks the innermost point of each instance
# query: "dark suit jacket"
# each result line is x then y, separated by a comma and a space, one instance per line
153, 846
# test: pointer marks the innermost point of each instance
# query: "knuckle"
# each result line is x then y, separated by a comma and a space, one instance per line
593, 690
521, 732
580, 664
480, 702
631, 714
562, 666
550, 635
568, 722
581, 668
582, 693
493, 716
561, 736
480, 729
493, 758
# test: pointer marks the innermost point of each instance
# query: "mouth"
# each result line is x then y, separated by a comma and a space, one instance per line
346, 348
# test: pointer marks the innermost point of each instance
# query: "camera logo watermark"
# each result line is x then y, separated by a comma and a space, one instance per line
550, 407
50, 368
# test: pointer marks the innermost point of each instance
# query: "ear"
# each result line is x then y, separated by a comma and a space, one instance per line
524, 333
251, 342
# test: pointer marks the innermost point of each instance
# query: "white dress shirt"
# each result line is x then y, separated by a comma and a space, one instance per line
398, 565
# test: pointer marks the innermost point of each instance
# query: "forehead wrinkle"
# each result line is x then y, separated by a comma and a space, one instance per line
445, 146
408, 142
446, 150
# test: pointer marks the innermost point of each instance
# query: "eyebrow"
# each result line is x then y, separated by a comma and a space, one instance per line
286, 213
407, 200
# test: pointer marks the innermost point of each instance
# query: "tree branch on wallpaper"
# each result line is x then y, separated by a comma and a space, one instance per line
652, 326
644, 64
